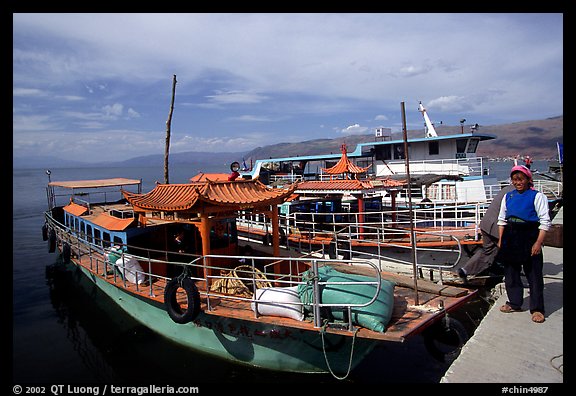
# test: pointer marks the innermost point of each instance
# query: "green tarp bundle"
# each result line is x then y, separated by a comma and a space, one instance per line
374, 316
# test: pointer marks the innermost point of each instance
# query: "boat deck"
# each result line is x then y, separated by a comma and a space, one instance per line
408, 319
425, 237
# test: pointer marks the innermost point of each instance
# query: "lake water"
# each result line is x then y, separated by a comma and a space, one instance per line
66, 331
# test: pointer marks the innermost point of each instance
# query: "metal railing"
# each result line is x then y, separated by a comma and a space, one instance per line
207, 272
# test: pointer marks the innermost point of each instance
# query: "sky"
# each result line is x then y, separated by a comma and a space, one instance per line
97, 87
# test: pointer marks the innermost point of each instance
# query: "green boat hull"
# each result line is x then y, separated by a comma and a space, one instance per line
245, 342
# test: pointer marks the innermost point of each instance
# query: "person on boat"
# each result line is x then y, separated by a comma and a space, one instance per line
181, 242
527, 161
523, 221
485, 256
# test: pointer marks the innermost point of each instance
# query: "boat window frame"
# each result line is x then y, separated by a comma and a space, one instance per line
89, 233
472, 145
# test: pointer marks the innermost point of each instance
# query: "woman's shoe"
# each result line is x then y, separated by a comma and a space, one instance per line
538, 317
508, 309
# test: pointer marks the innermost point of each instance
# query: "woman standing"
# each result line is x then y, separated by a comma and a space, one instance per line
523, 222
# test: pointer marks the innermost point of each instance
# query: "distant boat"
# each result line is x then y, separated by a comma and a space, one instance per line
445, 168
365, 199
172, 259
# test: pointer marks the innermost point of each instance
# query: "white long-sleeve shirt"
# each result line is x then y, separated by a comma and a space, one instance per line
541, 206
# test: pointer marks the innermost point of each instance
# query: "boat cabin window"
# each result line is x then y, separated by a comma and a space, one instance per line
433, 148
106, 239
97, 236
399, 151
382, 153
461, 148
472, 145
89, 233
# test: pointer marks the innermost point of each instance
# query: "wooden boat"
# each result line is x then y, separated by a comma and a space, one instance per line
171, 258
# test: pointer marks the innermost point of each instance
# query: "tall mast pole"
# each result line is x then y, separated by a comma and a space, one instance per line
412, 234
168, 125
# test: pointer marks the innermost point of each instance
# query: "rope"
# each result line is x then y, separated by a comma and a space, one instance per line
322, 331
185, 273
231, 284
560, 367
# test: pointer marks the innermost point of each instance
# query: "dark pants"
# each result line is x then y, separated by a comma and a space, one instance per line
517, 242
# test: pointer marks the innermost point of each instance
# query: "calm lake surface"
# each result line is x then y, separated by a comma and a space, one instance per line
66, 331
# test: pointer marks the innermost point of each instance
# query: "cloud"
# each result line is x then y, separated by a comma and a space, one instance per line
355, 129
251, 118
28, 92
292, 71
112, 111
235, 97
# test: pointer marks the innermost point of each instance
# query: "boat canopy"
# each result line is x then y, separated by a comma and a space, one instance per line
114, 182
233, 194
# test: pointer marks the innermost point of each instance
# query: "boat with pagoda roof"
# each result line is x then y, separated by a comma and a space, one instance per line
172, 259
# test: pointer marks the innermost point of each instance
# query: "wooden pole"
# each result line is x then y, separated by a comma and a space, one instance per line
168, 125
412, 234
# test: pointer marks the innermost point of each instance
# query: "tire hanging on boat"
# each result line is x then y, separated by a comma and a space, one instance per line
176, 313
51, 241
445, 339
45, 232
66, 252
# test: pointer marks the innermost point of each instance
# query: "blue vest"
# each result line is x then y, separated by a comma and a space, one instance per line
522, 205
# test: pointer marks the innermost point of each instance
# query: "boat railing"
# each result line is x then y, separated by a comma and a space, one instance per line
349, 243
458, 166
85, 197
278, 271
285, 178
552, 189
98, 252
439, 217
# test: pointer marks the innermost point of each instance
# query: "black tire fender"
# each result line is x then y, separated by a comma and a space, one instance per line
66, 252
175, 311
45, 232
51, 241
451, 334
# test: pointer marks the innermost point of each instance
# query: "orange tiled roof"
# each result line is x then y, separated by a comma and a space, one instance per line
75, 209
112, 223
178, 197
349, 185
340, 184
344, 165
